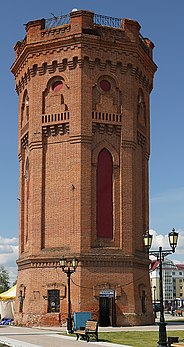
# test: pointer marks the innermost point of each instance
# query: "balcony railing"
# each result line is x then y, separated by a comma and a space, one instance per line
107, 21
57, 21
55, 117
98, 20
106, 117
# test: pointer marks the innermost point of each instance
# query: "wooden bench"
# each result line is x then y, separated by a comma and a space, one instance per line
172, 339
91, 329
179, 312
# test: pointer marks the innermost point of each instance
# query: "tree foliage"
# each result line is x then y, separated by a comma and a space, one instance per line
15, 282
4, 279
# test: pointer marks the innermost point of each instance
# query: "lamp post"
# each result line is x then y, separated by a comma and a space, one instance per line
154, 300
160, 254
154, 294
68, 268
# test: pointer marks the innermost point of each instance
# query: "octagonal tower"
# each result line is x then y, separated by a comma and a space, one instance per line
84, 84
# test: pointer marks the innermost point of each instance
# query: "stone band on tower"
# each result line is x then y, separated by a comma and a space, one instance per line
84, 84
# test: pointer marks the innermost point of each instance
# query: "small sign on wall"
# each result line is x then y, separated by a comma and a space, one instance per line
107, 293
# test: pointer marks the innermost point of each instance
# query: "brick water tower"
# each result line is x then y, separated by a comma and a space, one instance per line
83, 82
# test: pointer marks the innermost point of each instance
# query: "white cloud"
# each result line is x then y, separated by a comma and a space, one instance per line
9, 255
163, 241
9, 241
181, 239
176, 261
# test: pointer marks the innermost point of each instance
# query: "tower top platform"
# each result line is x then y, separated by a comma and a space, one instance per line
83, 22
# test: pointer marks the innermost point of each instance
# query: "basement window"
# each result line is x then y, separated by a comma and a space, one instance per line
53, 301
143, 301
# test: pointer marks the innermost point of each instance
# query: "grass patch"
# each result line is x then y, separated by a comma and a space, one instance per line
175, 320
136, 338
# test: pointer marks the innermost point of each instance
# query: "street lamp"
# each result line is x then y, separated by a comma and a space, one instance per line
69, 267
154, 300
160, 254
154, 294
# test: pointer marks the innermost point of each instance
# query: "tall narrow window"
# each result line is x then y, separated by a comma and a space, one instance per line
20, 301
25, 109
27, 179
141, 108
104, 195
143, 301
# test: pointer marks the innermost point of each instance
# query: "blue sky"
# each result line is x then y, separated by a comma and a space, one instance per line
162, 22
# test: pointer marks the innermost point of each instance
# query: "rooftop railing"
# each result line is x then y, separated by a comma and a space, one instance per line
107, 21
98, 20
57, 21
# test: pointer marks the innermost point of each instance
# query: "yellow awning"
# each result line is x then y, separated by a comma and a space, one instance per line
10, 294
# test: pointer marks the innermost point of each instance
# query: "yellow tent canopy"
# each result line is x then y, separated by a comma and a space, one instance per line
10, 294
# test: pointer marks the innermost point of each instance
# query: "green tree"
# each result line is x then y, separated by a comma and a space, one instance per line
4, 279
15, 282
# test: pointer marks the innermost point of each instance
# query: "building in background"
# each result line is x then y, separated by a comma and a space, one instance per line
83, 83
173, 284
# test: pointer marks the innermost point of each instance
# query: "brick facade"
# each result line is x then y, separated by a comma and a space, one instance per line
83, 87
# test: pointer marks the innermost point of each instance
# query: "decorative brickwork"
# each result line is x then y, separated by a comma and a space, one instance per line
83, 87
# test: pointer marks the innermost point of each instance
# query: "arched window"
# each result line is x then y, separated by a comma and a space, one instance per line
27, 170
25, 109
141, 108
27, 176
57, 86
53, 97
143, 301
27, 182
104, 195
142, 295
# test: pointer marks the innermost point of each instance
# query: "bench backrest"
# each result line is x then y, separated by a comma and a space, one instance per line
91, 325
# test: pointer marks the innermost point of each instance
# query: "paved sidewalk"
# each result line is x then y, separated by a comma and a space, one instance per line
49, 337
38, 337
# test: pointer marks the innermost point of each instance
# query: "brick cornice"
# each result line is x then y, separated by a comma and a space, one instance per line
56, 66
111, 260
96, 260
67, 41
25, 263
80, 139
128, 144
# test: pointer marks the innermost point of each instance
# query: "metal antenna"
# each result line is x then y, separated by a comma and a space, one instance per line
54, 16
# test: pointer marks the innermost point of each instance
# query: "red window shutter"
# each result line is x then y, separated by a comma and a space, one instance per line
104, 195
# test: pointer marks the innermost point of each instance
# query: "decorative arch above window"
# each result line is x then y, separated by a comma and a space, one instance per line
53, 99
104, 195
55, 84
106, 94
105, 144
